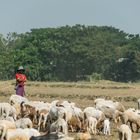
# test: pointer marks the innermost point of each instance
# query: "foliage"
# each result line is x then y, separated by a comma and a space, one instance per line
70, 53
94, 77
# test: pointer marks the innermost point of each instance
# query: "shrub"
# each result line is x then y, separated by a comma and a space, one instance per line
94, 77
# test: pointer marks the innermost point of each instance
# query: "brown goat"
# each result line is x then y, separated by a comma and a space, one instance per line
28, 111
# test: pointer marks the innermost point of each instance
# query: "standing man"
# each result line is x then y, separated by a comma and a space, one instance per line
20, 79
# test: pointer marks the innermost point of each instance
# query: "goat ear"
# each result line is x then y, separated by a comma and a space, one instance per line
2, 129
64, 117
11, 102
21, 104
85, 116
37, 112
18, 116
49, 119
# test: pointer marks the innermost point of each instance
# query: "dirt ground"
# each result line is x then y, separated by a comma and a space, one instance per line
82, 93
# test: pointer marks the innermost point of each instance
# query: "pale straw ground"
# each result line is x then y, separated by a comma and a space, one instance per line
82, 93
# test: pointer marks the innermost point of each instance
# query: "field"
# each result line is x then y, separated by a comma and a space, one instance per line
82, 93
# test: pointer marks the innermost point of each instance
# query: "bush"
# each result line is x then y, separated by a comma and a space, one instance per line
94, 77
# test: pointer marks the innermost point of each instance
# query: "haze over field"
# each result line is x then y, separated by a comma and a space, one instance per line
21, 16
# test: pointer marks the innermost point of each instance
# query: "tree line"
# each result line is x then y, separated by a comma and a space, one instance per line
72, 53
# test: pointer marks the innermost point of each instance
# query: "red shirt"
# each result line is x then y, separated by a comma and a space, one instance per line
20, 78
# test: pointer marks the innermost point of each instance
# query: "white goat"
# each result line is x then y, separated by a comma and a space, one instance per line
4, 126
7, 110
91, 125
91, 111
125, 132
109, 103
59, 126
24, 123
56, 112
21, 134
106, 129
9, 119
42, 118
131, 115
16, 99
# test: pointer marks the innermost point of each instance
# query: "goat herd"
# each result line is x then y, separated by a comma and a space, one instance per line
22, 119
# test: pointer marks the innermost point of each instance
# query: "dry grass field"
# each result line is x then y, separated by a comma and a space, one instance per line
82, 93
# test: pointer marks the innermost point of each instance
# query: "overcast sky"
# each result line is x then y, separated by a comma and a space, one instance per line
22, 15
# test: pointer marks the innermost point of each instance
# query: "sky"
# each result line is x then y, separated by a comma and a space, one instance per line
22, 15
